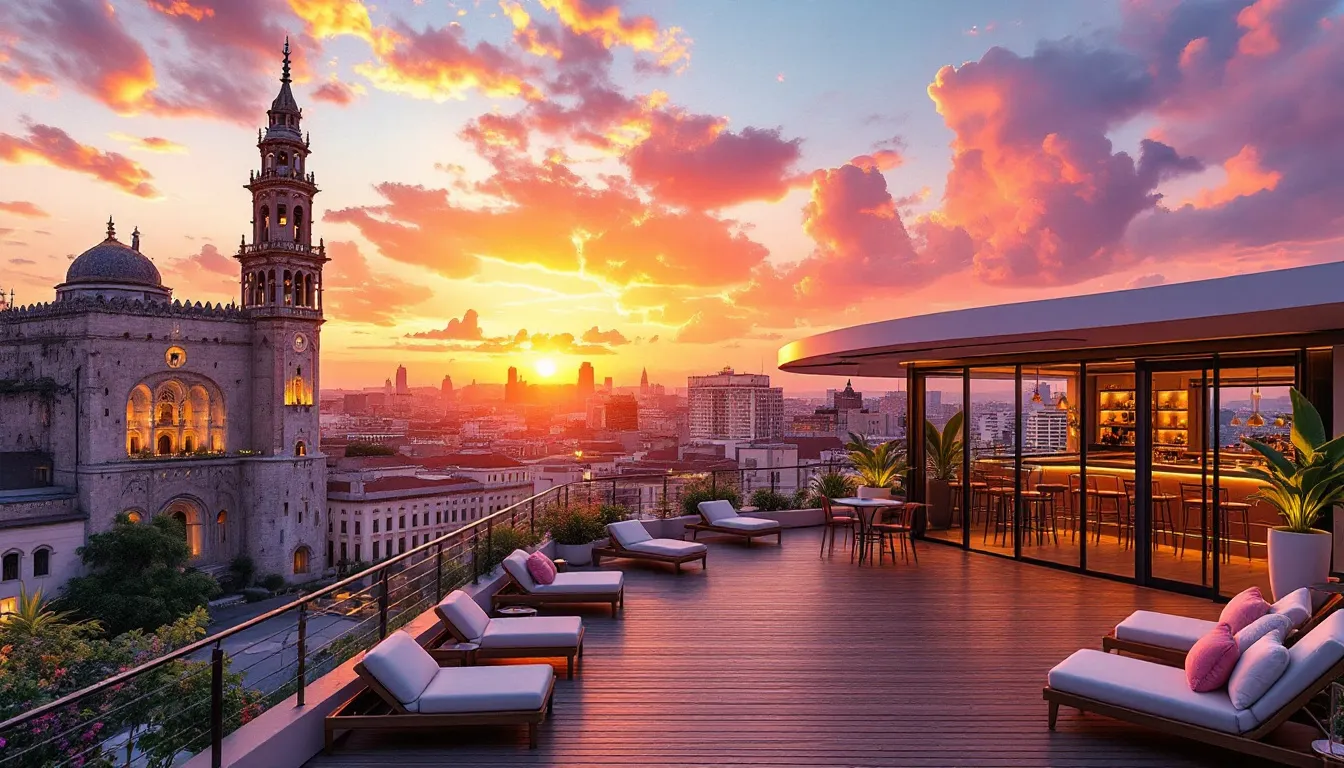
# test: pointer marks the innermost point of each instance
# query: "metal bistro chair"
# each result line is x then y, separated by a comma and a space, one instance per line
897, 523
844, 522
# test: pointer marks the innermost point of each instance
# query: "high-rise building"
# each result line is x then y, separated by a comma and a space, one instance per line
622, 413
446, 389
607, 386
402, 387
847, 399
513, 388
387, 389
587, 384
644, 382
735, 406
1047, 431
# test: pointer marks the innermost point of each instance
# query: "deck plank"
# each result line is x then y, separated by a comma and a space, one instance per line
775, 657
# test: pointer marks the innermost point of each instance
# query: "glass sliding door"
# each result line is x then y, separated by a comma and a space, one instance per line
991, 440
943, 490
1179, 473
1050, 455
1099, 488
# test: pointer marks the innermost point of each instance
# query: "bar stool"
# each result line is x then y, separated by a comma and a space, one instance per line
1162, 523
1054, 492
1114, 495
1194, 495
999, 495
1037, 503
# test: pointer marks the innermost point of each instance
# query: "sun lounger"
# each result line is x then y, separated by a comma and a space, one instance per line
406, 689
570, 587
1157, 696
631, 540
720, 517
537, 637
1165, 637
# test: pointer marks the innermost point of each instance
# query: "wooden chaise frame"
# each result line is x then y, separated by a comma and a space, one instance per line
513, 593
706, 525
1276, 739
375, 708
569, 652
1175, 658
614, 549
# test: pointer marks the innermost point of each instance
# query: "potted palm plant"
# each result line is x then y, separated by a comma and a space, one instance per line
943, 450
880, 468
1301, 488
832, 485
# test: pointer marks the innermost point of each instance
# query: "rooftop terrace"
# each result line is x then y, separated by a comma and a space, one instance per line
776, 657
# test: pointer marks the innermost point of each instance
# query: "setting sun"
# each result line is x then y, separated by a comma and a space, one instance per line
545, 367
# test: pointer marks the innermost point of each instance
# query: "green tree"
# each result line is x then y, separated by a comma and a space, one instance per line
138, 577
368, 449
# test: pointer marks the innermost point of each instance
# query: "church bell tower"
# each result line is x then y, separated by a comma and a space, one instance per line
281, 287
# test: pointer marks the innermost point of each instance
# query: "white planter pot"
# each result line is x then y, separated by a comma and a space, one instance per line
1297, 560
868, 492
575, 554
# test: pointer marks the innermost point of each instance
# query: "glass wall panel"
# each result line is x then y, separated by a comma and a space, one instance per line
1099, 489
943, 395
991, 439
1050, 455
1181, 456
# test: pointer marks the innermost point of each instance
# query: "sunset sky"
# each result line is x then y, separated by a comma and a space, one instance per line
674, 184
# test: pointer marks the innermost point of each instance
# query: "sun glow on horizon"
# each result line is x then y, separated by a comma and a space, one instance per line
545, 367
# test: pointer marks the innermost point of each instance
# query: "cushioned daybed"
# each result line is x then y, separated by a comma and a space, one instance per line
1166, 637
631, 540
537, 637
1159, 697
571, 587
407, 690
720, 517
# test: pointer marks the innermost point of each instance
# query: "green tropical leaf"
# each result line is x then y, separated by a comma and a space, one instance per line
1276, 459
1308, 433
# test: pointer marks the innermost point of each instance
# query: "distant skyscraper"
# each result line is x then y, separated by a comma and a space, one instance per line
607, 385
513, 388
848, 399
447, 388
735, 406
402, 387
644, 382
587, 384
387, 388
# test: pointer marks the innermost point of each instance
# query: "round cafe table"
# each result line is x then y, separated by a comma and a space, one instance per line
867, 510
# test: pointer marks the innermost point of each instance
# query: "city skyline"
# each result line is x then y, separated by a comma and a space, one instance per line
766, 180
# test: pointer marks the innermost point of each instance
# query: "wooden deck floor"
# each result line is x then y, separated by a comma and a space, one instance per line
774, 657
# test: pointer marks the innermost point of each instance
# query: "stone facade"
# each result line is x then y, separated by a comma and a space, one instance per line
146, 405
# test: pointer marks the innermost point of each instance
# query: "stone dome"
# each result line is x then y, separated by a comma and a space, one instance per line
112, 262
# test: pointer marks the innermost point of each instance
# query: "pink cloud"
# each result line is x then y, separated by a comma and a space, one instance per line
466, 329
23, 208
45, 144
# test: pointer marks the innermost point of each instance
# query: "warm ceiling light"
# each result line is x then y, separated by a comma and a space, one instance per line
1063, 403
1279, 421
1235, 422
1255, 420
1036, 396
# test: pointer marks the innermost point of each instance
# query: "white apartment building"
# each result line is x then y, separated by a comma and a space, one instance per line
1047, 431
763, 462
735, 406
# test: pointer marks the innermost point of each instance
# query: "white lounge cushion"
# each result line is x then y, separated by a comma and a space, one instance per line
748, 524
670, 547
1270, 622
468, 618
628, 532
1310, 657
1296, 605
1147, 687
533, 632
516, 565
714, 511
401, 666
1164, 630
583, 583
1259, 667
487, 689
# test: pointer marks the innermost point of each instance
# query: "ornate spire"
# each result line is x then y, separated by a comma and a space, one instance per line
111, 229
284, 73
135, 240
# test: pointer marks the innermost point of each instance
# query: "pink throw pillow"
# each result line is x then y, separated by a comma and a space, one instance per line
541, 568
1243, 609
1210, 661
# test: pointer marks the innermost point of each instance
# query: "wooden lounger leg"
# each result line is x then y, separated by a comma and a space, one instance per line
569, 667
329, 744
678, 566
1054, 714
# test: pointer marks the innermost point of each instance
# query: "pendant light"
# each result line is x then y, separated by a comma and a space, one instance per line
1255, 419
1279, 421
1235, 422
1063, 403
1036, 394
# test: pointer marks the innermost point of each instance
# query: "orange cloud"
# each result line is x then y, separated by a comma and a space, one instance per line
336, 92
1258, 19
466, 329
332, 18
611, 337
440, 64
352, 292
23, 208
1244, 177
181, 8
52, 146
670, 47
208, 259
151, 143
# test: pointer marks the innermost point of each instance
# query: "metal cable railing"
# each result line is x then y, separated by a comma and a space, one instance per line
160, 712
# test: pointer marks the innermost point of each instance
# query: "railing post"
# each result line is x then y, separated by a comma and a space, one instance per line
382, 605
303, 650
217, 707
532, 519
713, 482
566, 497
772, 480
475, 557
438, 572
665, 507
613, 491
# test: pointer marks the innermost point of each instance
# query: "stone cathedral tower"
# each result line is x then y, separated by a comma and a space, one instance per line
281, 286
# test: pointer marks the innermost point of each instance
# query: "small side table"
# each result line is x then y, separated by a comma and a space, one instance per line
463, 653
516, 612
561, 565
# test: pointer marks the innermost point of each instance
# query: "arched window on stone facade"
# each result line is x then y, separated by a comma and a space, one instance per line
270, 282
9, 566
133, 516
289, 287
265, 223
165, 445
300, 448
222, 526
298, 289
298, 223
41, 562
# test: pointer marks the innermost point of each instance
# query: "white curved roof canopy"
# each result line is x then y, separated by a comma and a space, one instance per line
1300, 300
